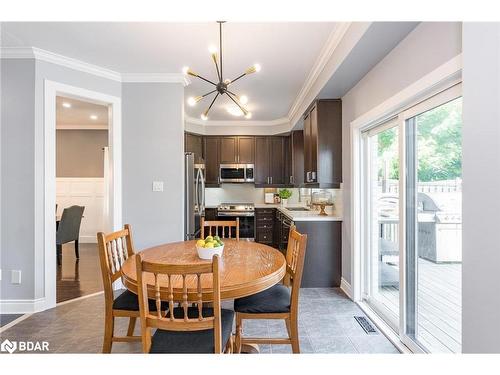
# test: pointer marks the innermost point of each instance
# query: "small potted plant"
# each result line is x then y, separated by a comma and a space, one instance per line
284, 195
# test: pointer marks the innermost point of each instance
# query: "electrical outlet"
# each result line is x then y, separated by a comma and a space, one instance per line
157, 185
15, 277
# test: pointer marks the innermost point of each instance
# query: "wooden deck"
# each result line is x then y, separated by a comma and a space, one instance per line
439, 306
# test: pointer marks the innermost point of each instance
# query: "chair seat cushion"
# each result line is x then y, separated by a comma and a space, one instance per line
273, 300
129, 301
192, 341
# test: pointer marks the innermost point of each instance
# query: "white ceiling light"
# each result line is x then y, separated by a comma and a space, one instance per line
93, 117
234, 110
66, 105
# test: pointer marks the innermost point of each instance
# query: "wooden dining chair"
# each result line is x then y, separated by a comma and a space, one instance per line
216, 227
276, 302
114, 249
190, 327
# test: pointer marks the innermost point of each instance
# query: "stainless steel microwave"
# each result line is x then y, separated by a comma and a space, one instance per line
236, 173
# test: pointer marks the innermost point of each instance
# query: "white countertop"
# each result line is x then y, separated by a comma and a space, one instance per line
312, 215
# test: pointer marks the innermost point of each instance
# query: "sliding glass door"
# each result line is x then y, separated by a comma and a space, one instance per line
434, 226
382, 220
412, 194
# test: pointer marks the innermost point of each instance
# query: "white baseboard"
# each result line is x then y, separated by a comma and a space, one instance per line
346, 287
22, 306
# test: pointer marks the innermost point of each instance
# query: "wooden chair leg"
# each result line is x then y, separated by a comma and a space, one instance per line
131, 326
109, 327
77, 250
59, 254
294, 335
287, 322
239, 333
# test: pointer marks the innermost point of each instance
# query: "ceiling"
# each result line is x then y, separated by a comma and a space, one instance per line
286, 52
79, 114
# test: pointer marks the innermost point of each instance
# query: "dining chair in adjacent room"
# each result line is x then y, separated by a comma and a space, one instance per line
220, 227
192, 327
114, 249
68, 230
281, 301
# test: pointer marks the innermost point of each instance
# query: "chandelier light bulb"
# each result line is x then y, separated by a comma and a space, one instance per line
213, 50
227, 81
192, 101
257, 67
185, 70
248, 115
204, 116
243, 99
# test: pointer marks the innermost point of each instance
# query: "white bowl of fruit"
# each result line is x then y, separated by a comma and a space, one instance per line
209, 247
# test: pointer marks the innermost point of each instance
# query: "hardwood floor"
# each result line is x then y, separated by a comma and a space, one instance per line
77, 278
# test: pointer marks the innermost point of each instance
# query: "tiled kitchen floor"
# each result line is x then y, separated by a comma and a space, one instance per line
326, 325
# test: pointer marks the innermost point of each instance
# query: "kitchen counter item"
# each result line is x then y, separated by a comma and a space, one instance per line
322, 206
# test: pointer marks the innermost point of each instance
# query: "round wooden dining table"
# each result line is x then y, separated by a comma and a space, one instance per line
246, 268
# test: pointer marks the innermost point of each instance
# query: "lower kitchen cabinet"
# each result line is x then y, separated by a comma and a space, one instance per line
264, 225
322, 264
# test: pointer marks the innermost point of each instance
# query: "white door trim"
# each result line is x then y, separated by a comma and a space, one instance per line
51, 90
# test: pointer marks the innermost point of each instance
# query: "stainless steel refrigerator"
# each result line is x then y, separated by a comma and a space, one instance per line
194, 194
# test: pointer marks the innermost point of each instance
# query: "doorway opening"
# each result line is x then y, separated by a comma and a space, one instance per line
82, 178
67, 183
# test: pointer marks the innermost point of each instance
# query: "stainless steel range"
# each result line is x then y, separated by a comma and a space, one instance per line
245, 212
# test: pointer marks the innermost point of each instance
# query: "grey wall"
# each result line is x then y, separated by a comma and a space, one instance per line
22, 176
17, 176
153, 146
481, 179
428, 46
79, 153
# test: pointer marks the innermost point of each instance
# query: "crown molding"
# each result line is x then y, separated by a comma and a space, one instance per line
156, 77
326, 53
68, 62
248, 123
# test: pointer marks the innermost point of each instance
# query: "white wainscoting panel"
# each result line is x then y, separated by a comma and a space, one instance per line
88, 192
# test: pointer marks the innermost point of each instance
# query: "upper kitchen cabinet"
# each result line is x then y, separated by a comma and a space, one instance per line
211, 146
296, 162
270, 161
323, 144
237, 150
193, 143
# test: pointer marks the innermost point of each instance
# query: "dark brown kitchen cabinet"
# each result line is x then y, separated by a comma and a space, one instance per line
269, 161
323, 144
211, 155
228, 150
237, 150
297, 157
277, 160
246, 150
193, 143
261, 170
264, 225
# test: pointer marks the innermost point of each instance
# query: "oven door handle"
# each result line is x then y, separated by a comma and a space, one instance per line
236, 214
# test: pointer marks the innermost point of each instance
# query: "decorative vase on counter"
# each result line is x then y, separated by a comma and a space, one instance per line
284, 202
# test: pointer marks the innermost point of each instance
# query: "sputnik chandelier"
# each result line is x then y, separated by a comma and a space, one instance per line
222, 87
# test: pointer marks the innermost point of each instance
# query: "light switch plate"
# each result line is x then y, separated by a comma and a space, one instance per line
15, 277
157, 185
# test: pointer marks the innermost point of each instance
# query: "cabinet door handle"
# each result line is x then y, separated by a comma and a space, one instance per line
307, 176
313, 176
271, 179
